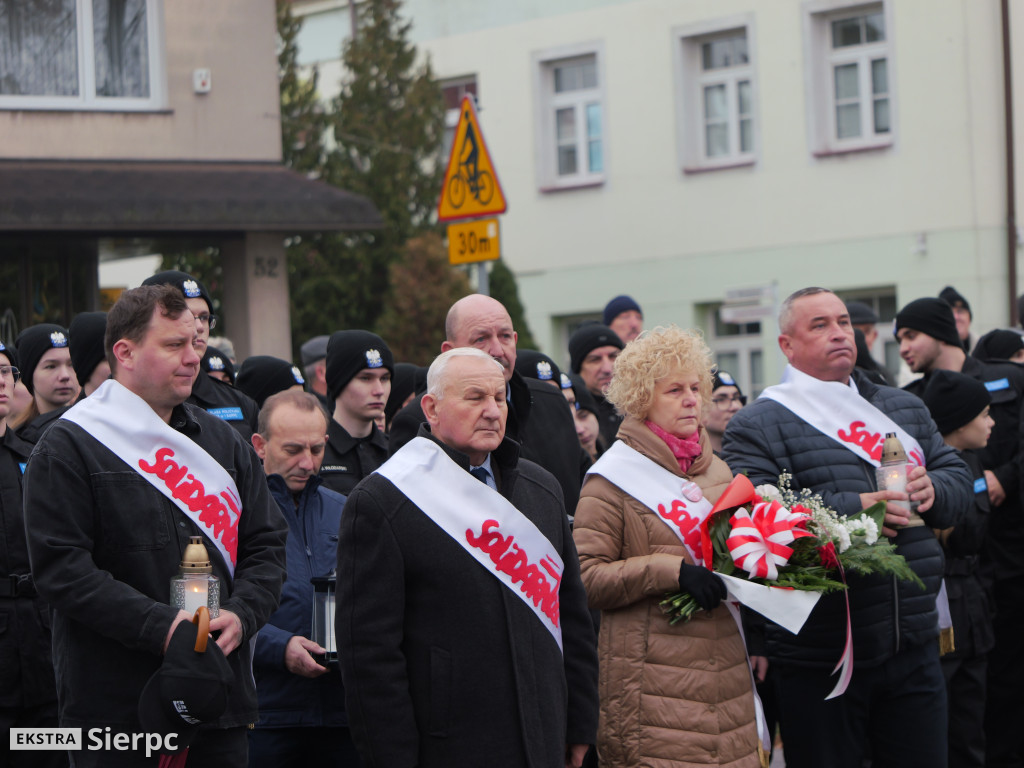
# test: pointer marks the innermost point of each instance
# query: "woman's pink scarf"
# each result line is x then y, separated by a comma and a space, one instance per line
685, 449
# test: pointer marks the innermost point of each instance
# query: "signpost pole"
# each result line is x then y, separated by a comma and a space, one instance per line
482, 279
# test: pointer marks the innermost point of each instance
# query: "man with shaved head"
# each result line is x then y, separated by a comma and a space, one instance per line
537, 416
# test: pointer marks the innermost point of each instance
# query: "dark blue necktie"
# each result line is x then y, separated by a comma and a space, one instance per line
480, 474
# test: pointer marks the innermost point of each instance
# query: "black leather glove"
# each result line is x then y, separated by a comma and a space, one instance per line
706, 586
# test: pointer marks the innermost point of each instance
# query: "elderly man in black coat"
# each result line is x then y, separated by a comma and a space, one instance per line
538, 418
462, 621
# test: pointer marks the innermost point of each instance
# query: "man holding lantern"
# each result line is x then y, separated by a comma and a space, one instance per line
113, 492
825, 426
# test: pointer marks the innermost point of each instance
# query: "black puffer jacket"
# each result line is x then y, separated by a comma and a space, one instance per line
766, 439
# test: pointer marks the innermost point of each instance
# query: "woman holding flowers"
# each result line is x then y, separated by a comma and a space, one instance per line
671, 695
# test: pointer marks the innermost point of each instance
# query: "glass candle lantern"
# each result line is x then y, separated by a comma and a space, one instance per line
195, 584
323, 618
892, 474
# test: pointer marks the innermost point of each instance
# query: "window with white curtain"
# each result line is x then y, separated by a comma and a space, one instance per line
852, 78
80, 54
571, 133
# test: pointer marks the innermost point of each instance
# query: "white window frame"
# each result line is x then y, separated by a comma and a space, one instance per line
87, 100
690, 80
546, 101
821, 58
743, 345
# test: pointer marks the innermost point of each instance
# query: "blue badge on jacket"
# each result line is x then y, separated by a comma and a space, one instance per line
980, 486
228, 414
995, 386
22, 465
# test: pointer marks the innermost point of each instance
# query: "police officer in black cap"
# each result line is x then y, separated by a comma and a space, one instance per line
213, 396
218, 365
264, 375
359, 371
28, 697
48, 375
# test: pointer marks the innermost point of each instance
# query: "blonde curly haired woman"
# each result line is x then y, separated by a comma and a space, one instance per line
671, 696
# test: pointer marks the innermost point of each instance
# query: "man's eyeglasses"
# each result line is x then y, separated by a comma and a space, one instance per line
724, 401
10, 370
210, 321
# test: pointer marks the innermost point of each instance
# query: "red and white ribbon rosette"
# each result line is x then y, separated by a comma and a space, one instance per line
758, 542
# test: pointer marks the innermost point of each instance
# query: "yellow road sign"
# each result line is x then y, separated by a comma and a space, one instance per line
472, 241
471, 186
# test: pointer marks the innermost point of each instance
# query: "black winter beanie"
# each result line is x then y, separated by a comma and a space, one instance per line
34, 342
588, 338
85, 340
349, 352
933, 317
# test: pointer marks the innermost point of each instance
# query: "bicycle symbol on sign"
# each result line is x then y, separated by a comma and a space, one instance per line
470, 178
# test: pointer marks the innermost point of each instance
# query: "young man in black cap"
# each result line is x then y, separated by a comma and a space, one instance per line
359, 371
215, 397
624, 316
929, 342
113, 492
47, 374
28, 698
85, 340
592, 352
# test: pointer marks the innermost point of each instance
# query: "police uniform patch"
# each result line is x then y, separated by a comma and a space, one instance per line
58, 339
334, 468
566, 382
2, 347
998, 384
726, 378
228, 414
298, 376
544, 371
216, 364
980, 486
191, 289
373, 359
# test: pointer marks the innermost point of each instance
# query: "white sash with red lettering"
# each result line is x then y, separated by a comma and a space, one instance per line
168, 460
484, 523
836, 410
680, 504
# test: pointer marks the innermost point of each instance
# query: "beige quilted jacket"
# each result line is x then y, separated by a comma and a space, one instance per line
671, 696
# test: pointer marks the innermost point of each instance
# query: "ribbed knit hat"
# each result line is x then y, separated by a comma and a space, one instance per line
617, 306
933, 317
261, 376
588, 338
215, 359
184, 282
954, 298
1000, 344
954, 399
33, 343
536, 365
349, 352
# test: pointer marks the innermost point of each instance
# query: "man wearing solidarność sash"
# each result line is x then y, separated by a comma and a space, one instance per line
825, 425
113, 491
462, 626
